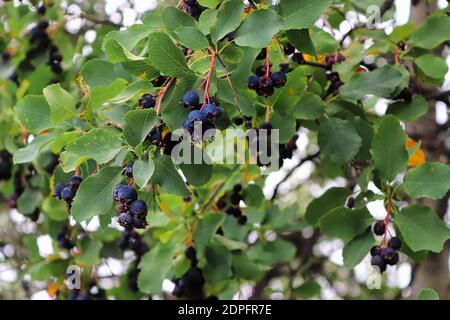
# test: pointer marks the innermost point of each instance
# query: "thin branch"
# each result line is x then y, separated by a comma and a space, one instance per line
290, 173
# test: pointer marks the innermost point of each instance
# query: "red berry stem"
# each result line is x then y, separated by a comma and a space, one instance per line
208, 80
76, 172
386, 221
161, 95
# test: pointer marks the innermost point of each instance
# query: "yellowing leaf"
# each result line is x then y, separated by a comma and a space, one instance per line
418, 157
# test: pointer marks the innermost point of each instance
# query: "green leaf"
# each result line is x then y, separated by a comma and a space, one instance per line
432, 32
29, 200
339, 140
97, 73
309, 107
344, 223
258, 29
271, 252
31, 151
355, 251
230, 244
165, 56
432, 66
207, 20
307, 290
244, 268
102, 94
332, 198
207, 227
196, 174
192, 38
155, 265
39, 78
62, 104
428, 294
431, 180
34, 113
135, 89
168, 177
218, 264
228, 19
301, 39
100, 144
95, 194
409, 111
381, 82
143, 171
90, 252
324, 42
300, 14
138, 124
422, 229
174, 18
388, 148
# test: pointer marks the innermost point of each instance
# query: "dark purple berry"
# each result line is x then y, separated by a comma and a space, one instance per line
379, 263
212, 112
58, 189
128, 171
390, 256
237, 188
379, 228
395, 243
242, 220
261, 71
67, 194
75, 182
125, 194
253, 82
147, 101
235, 199
350, 203
191, 99
190, 253
140, 223
288, 48
126, 221
139, 208
376, 251
279, 79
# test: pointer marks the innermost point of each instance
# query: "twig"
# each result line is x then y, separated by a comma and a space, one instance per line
306, 159
162, 93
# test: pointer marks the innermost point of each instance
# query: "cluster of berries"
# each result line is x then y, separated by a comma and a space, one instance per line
63, 238
384, 255
190, 285
67, 191
162, 138
132, 212
264, 81
191, 7
147, 101
131, 240
5, 165
234, 209
206, 115
38, 34
287, 150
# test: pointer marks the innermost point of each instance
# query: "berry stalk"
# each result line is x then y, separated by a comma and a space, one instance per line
208, 80
162, 93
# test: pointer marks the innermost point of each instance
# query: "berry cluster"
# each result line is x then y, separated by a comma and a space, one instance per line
204, 116
234, 209
335, 83
287, 150
264, 81
131, 240
388, 255
147, 101
191, 7
63, 238
38, 34
162, 138
67, 191
5, 165
190, 285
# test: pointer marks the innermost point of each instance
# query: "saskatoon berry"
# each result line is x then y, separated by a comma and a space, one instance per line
191, 99
159, 82
67, 194
261, 71
41, 9
212, 112
125, 194
266, 92
242, 220
379, 228
350, 203
390, 256
126, 221
155, 137
139, 223
266, 126
395, 243
190, 253
56, 68
42, 25
128, 171
238, 121
235, 199
194, 116
376, 251
5, 170
221, 203
230, 36
236, 212
147, 101
248, 123
379, 262
253, 82
58, 189
288, 48
139, 208
278, 79
237, 188
75, 182
298, 57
